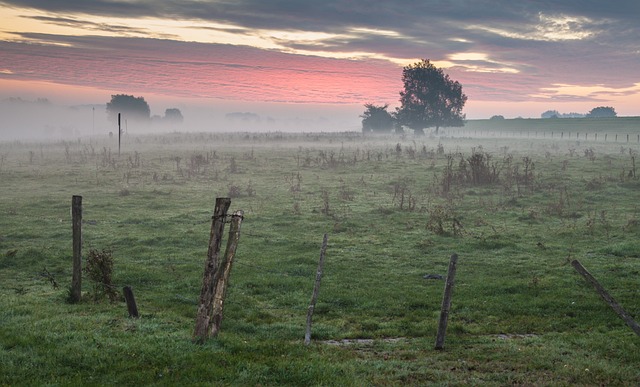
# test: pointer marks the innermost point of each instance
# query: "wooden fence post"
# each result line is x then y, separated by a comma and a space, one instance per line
221, 279
316, 290
76, 225
119, 134
212, 264
606, 297
131, 301
446, 302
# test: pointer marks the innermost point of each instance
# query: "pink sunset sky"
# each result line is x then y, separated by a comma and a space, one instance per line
321, 60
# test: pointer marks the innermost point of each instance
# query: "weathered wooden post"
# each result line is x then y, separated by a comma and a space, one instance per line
119, 134
606, 297
212, 264
76, 226
132, 308
446, 302
221, 278
316, 290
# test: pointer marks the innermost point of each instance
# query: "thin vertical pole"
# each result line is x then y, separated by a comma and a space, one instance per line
446, 302
76, 225
119, 134
316, 290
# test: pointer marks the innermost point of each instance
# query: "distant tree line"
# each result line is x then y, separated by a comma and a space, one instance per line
137, 109
429, 99
597, 112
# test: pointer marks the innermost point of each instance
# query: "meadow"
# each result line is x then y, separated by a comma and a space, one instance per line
515, 207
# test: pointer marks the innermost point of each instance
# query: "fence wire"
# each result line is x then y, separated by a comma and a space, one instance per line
140, 283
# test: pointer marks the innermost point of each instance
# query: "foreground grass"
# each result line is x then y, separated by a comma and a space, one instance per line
520, 315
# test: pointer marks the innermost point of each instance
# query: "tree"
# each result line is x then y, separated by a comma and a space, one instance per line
132, 108
430, 98
550, 114
497, 118
601, 112
376, 119
173, 115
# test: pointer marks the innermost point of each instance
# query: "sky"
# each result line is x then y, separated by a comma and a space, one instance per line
318, 62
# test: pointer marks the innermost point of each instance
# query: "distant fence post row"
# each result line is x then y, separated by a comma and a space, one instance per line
586, 136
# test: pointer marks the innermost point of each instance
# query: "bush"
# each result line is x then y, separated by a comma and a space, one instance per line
99, 270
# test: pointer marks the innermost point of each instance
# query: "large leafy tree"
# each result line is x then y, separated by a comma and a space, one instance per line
376, 119
173, 115
429, 99
601, 112
133, 108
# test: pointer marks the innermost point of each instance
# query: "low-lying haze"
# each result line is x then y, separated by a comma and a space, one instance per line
310, 64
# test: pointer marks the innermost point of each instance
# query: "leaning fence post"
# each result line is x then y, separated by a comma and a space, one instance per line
606, 297
446, 302
316, 290
205, 306
76, 225
221, 279
131, 301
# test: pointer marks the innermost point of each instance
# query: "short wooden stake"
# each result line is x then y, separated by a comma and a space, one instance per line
221, 278
131, 301
446, 302
606, 297
212, 265
316, 290
76, 225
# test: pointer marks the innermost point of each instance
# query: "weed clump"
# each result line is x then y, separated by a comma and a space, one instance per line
99, 270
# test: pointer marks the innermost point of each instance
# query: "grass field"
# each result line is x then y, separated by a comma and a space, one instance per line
516, 209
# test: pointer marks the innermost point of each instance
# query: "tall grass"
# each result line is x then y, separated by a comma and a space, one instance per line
516, 212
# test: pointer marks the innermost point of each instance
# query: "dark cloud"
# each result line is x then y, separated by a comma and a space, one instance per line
422, 24
89, 25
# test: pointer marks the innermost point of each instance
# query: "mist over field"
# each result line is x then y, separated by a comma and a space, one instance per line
42, 119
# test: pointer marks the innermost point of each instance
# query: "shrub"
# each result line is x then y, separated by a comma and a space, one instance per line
99, 270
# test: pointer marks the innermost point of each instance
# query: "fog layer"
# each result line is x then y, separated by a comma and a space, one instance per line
42, 119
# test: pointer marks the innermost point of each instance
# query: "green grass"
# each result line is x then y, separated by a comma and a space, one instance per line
520, 313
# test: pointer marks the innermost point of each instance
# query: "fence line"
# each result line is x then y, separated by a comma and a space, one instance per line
616, 137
